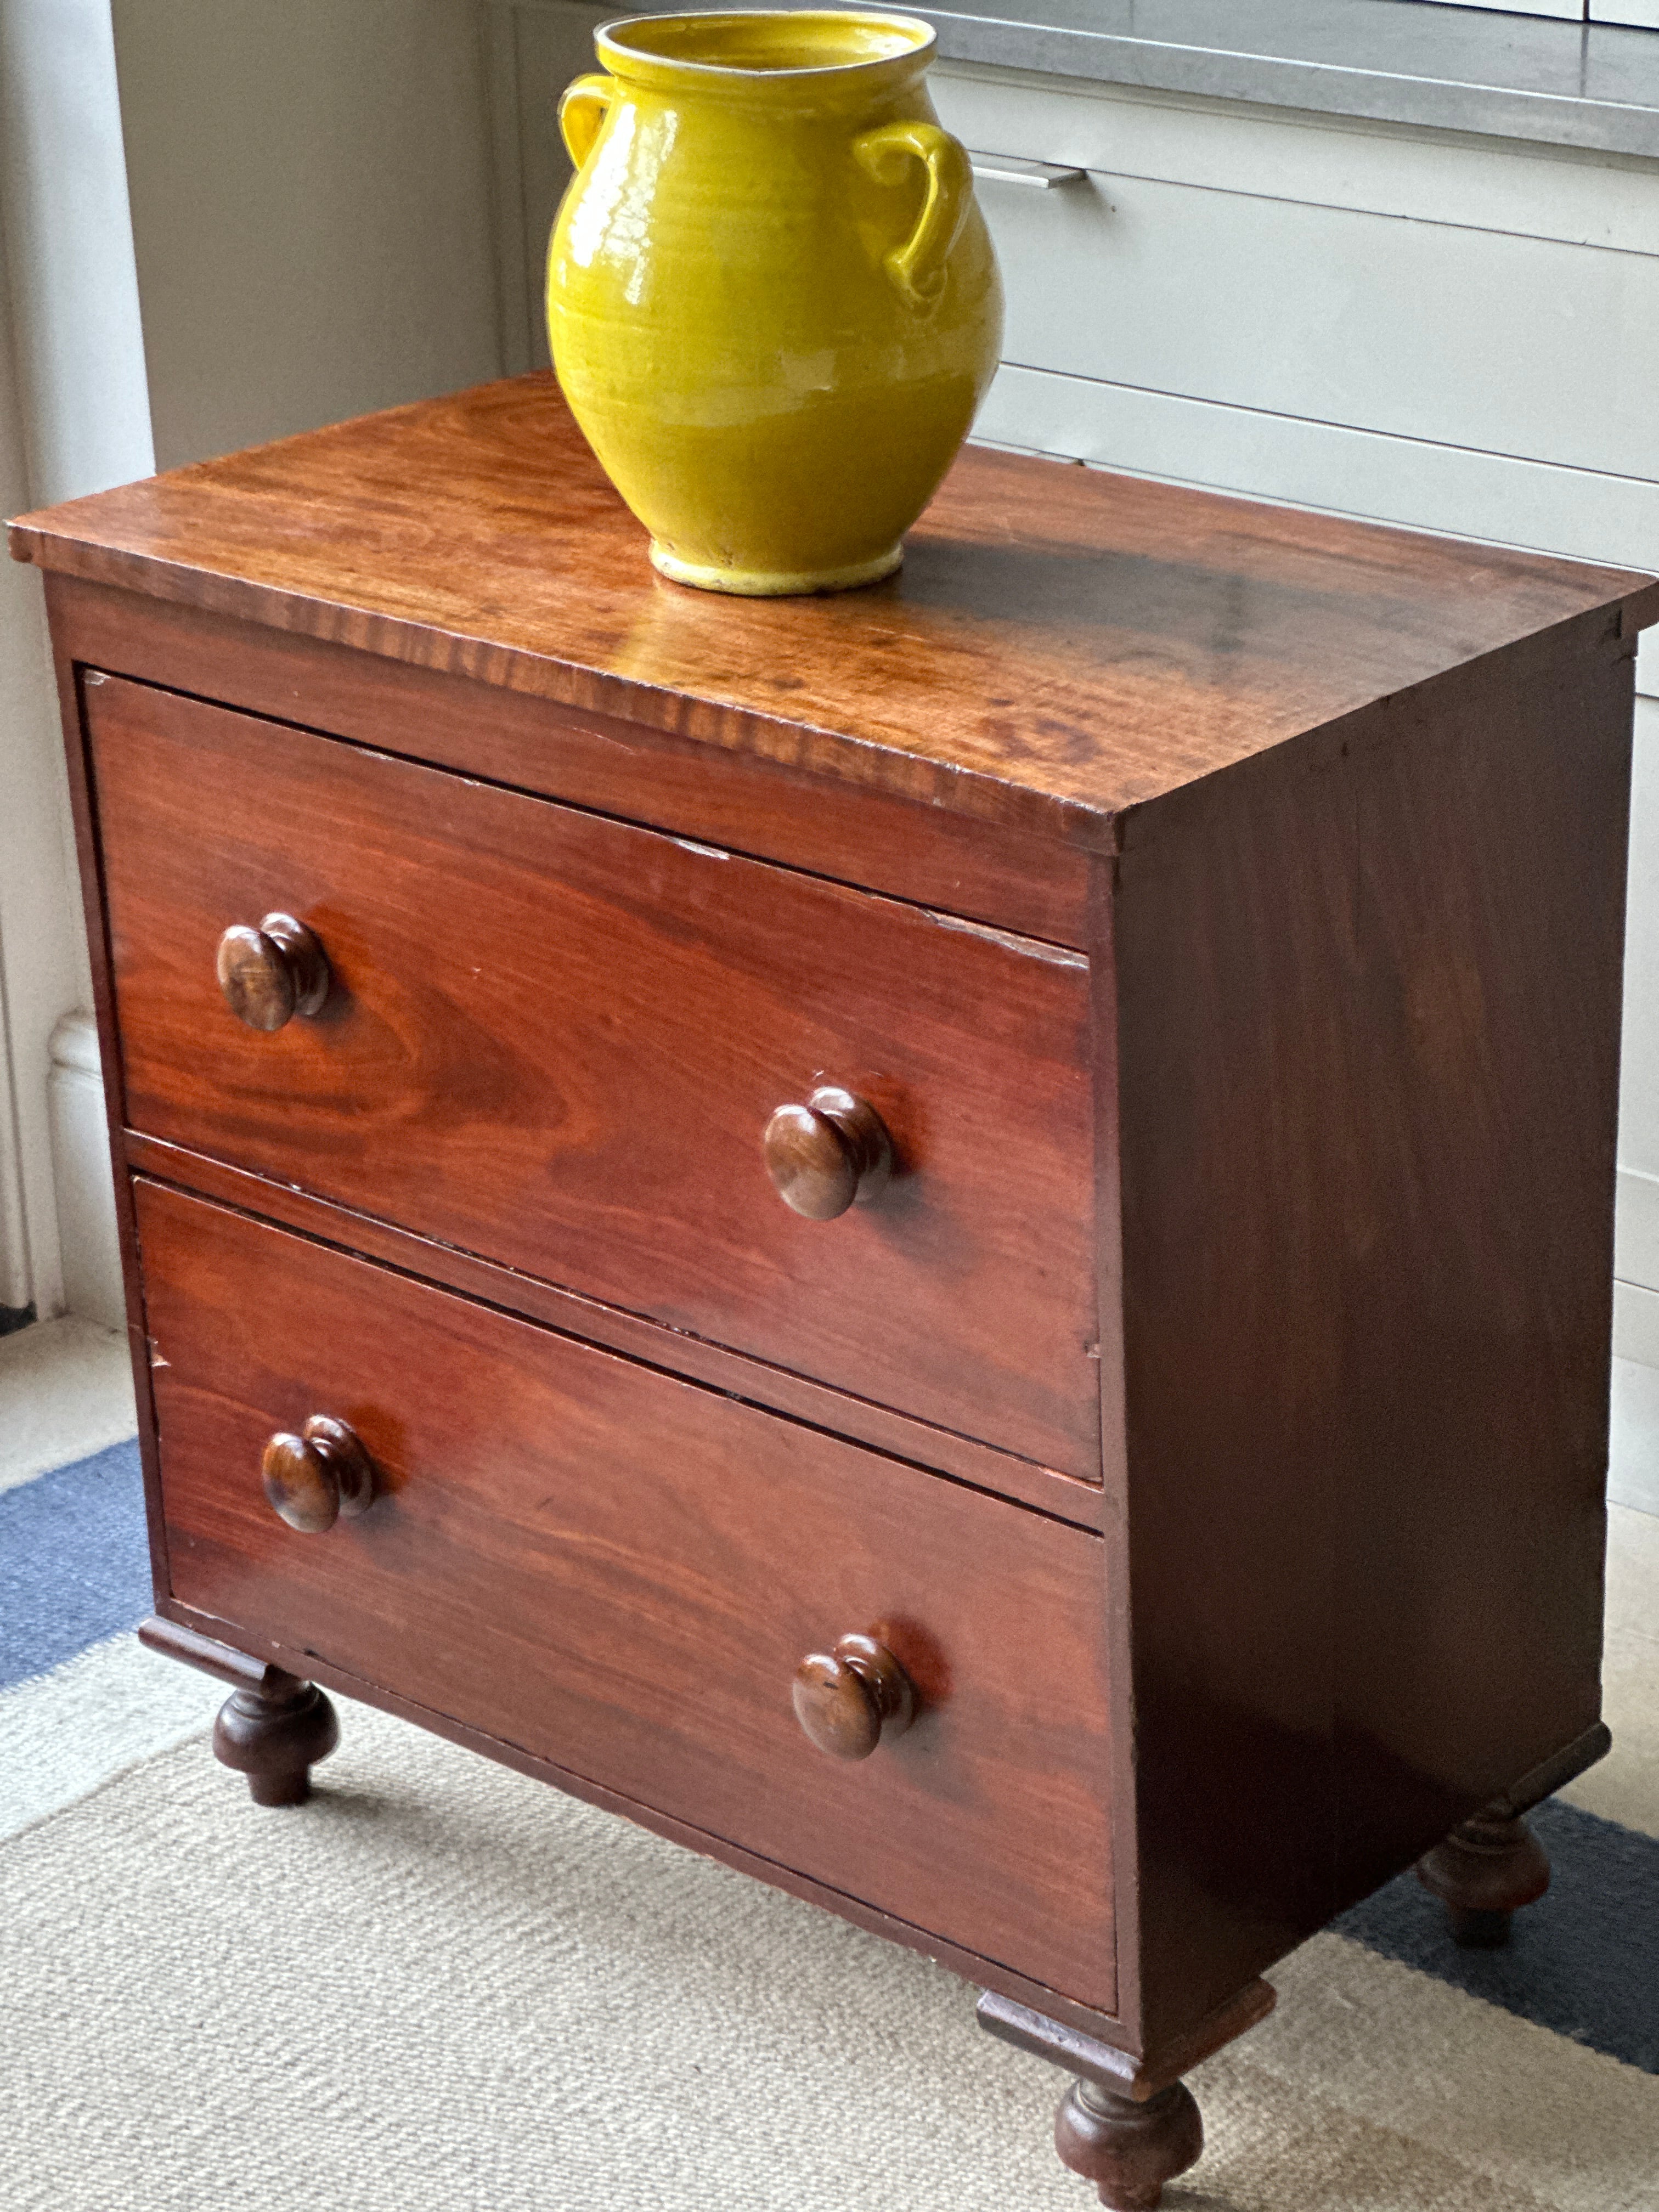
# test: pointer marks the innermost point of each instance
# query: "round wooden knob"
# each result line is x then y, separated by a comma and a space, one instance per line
851, 1699
270, 974
321, 1476
824, 1155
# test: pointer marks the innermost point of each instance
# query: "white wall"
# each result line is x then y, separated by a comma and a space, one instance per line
31, 855
63, 179
74, 417
41, 963
312, 211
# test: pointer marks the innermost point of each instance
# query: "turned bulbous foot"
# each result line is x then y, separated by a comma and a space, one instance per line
1486, 1869
275, 1735
1128, 2148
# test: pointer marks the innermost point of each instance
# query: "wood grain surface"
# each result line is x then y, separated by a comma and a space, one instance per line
620, 1572
1058, 642
1492, 834
1365, 995
1066, 1495
556, 1041
186, 1632
1036, 885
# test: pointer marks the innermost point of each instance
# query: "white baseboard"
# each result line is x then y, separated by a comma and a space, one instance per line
81, 1171
1635, 1323
1633, 1445
1636, 1229
1633, 1449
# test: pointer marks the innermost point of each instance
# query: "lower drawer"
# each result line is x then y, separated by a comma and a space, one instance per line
619, 1572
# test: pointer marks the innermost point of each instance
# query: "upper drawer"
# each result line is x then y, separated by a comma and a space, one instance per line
555, 1040
620, 1572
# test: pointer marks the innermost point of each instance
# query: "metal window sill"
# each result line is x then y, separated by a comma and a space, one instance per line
1591, 87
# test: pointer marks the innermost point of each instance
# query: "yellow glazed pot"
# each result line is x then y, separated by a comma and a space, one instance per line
771, 300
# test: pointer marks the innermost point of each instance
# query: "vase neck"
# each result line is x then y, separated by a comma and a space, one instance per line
785, 61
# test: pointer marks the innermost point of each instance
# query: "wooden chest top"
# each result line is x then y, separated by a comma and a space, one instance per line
1060, 645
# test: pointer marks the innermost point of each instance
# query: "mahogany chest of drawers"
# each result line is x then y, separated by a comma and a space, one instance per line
953, 1242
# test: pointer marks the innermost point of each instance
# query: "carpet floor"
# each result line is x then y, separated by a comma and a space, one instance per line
440, 1985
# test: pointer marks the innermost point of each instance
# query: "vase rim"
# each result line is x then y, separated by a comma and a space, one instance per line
831, 43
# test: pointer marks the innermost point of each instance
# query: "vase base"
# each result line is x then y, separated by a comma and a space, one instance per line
774, 584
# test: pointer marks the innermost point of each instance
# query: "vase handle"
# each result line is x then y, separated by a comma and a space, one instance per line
583, 106
917, 267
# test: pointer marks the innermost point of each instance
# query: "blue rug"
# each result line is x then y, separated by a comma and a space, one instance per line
1584, 1962
74, 1561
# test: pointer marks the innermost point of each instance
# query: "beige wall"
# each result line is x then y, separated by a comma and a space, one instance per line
312, 218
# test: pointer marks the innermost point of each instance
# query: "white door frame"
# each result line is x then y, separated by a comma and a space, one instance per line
74, 417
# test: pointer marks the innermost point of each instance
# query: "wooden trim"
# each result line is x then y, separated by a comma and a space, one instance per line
746, 733
1033, 886
191, 1649
1555, 1772
1061, 1496
84, 812
1116, 2069
1114, 1438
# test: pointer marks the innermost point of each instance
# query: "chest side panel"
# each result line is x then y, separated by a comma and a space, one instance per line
1367, 1006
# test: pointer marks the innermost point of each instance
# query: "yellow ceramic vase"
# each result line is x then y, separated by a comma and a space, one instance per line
771, 300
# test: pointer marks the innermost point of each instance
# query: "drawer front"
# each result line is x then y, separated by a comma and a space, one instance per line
1269, 295
620, 1571
555, 1039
